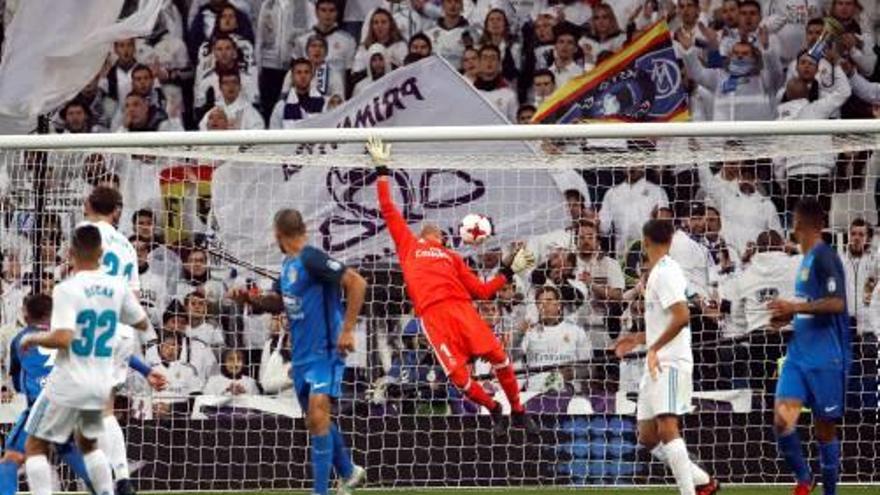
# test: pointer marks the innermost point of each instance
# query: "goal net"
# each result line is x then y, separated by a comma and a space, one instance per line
200, 218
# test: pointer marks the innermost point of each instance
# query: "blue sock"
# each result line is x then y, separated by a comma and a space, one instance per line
341, 455
8, 478
71, 456
789, 445
829, 458
322, 460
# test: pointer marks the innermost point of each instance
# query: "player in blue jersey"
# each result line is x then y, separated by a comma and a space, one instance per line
310, 290
29, 370
819, 353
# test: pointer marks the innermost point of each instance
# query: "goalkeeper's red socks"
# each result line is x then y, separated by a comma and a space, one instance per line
472, 389
507, 378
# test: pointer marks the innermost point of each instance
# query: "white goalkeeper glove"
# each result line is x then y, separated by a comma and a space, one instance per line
380, 153
522, 260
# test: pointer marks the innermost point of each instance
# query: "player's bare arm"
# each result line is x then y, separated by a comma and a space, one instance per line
56, 339
142, 326
680, 317
781, 308
261, 303
355, 288
627, 343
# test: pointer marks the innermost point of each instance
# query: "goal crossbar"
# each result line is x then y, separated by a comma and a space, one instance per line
443, 133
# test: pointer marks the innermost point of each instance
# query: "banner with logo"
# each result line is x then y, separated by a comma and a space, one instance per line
640, 83
334, 186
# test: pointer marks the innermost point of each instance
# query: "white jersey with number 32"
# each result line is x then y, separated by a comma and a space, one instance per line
666, 286
91, 304
119, 258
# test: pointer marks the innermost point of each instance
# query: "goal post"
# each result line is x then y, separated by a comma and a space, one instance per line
199, 207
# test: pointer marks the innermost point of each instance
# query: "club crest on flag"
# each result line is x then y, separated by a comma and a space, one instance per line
641, 83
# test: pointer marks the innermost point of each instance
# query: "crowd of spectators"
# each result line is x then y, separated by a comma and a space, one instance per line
249, 64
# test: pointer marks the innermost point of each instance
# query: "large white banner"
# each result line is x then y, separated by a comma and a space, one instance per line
55, 47
339, 203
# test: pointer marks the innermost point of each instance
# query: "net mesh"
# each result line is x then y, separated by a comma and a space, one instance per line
200, 219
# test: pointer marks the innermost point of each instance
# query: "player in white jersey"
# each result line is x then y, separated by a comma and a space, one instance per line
87, 308
666, 386
102, 209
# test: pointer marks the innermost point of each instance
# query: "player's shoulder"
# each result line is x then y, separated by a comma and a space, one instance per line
668, 265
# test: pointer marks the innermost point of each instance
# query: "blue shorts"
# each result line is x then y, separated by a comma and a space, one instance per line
323, 377
17, 436
823, 391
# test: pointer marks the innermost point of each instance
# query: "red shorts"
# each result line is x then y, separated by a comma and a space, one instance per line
457, 334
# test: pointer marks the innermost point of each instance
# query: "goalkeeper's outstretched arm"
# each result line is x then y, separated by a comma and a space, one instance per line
397, 226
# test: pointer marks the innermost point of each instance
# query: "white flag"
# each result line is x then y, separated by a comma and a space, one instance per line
54, 48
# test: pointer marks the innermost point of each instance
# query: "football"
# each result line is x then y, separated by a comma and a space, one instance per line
475, 228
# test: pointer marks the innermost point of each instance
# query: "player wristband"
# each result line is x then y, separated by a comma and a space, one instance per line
141, 367
382, 170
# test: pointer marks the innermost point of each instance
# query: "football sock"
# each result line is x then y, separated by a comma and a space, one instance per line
39, 475
341, 455
322, 460
507, 378
112, 443
829, 458
677, 459
99, 472
472, 389
8, 478
700, 477
789, 445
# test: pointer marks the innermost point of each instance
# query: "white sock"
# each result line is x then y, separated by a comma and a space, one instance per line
700, 477
677, 459
99, 472
39, 475
112, 442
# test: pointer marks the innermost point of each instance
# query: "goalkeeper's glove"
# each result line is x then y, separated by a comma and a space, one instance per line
522, 260
380, 153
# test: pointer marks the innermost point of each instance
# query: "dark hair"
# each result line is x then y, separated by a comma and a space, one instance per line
753, 3
174, 309
301, 61
659, 231
229, 73
38, 307
564, 28
548, 288
860, 222
319, 2
198, 293
76, 102
319, 38
544, 72
140, 67
289, 222
85, 243
489, 48
104, 200
423, 37
139, 96
222, 36
573, 194
810, 211
525, 107
769, 240
816, 21
143, 212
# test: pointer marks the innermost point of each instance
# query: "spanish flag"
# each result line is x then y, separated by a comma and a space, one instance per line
643, 82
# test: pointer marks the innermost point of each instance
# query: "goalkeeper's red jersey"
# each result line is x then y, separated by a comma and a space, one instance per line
432, 272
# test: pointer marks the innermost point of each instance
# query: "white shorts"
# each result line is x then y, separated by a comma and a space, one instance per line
55, 423
670, 393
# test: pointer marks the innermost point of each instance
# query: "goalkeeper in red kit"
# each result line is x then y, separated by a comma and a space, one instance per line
442, 289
